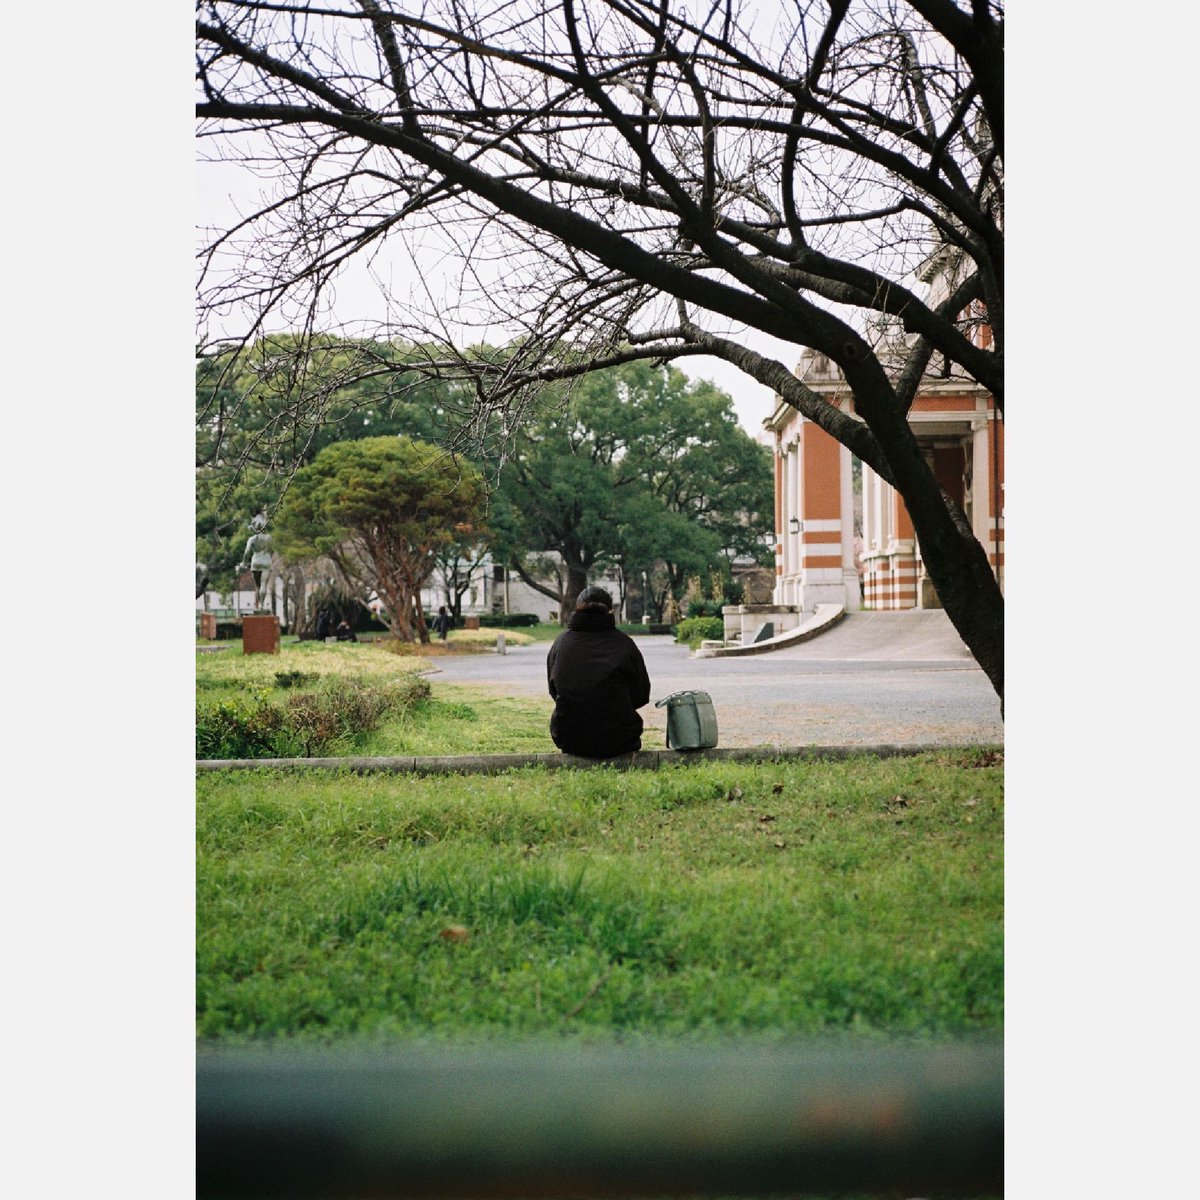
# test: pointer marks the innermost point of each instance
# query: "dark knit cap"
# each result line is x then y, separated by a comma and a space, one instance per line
593, 599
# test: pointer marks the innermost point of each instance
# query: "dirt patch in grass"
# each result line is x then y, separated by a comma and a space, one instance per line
460, 641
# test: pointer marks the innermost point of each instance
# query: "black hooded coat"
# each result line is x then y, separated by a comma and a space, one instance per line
598, 679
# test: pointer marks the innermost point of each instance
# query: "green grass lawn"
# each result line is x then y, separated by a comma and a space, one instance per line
229, 671
464, 720
452, 720
691, 902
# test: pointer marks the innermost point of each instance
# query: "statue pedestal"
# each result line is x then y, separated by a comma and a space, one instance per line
260, 635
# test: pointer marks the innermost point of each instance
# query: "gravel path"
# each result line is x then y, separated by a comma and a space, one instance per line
894, 678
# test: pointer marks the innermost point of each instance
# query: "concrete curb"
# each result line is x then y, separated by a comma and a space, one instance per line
646, 760
826, 616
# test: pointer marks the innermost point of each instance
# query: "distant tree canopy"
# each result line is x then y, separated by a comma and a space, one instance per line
644, 469
266, 409
641, 466
280, 400
380, 509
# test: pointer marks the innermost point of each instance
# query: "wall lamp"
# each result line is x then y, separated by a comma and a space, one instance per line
794, 525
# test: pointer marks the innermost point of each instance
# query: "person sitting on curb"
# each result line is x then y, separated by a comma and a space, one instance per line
598, 680
344, 632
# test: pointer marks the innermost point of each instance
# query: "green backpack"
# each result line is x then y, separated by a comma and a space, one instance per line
691, 720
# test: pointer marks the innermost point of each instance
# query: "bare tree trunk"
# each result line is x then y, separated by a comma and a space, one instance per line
954, 559
295, 587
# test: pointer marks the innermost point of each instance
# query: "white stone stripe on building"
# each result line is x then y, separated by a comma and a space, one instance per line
816, 575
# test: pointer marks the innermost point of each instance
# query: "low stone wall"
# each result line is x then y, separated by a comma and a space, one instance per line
800, 629
743, 620
477, 764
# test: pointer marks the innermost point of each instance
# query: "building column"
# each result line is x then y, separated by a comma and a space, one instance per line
792, 564
819, 511
987, 499
981, 481
875, 538
782, 504
850, 582
780, 521
902, 566
995, 542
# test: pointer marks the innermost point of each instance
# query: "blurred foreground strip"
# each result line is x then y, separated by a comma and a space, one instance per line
916, 1120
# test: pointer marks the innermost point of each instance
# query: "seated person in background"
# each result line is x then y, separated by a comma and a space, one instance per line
598, 680
344, 633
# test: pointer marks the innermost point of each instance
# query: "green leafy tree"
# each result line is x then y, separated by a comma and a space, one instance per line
661, 549
556, 493
713, 483
222, 516
380, 508
643, 468
265, 409
276, 403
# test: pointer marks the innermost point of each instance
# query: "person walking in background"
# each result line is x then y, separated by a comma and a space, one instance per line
598, 680
442, 623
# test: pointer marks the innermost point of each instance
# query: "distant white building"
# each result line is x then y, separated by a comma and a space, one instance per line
240, 601
492, 589
495, 589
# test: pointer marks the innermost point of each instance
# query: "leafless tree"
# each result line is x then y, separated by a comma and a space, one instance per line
632, 178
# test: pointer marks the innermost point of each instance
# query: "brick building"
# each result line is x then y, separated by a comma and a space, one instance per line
821, 557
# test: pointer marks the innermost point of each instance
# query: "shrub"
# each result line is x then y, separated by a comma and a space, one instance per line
288, 679
228, 631
507, 620
705, 608
243, 728
342, 605
307, 722
694, 630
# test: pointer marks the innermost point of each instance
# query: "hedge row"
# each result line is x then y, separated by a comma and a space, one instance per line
694, 630
302, 724
508, 620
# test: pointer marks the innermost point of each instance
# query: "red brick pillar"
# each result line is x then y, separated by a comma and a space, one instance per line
260, 635
208, 625
902, 563
822, 524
